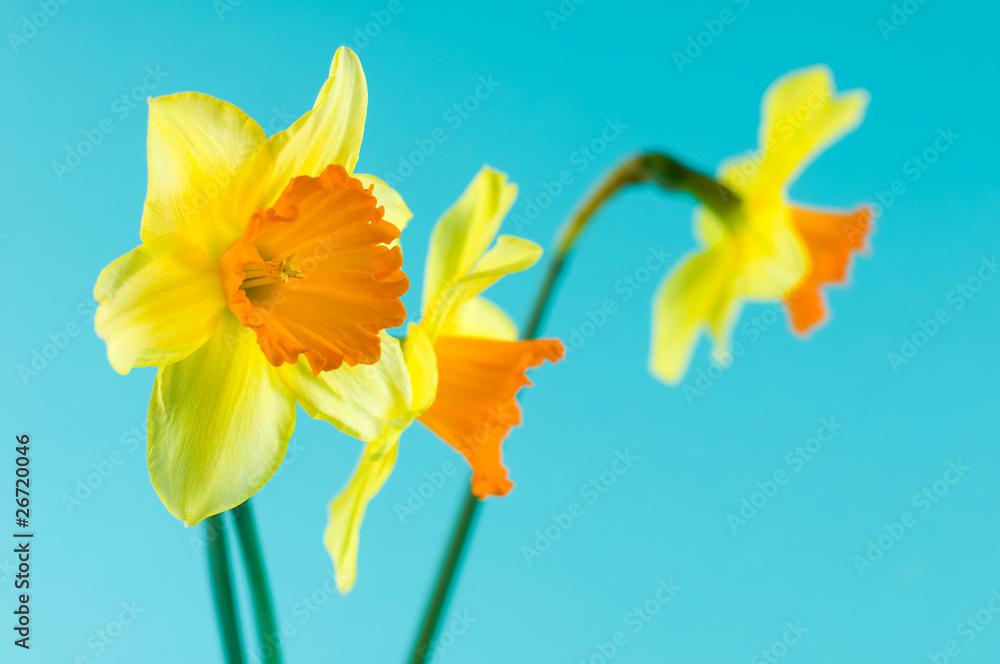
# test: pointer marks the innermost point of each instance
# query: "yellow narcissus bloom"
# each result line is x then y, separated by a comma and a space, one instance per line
464, 359
266, 274
765, 248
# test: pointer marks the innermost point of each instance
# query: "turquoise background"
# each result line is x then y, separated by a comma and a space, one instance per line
664, 519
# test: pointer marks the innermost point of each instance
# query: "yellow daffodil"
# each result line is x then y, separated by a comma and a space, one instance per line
266, 274
464, 359
764, 248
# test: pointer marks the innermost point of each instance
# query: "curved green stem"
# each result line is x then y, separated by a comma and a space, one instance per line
267, 627
222, 589
654, 167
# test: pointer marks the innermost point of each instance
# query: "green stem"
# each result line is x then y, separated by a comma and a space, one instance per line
449, 572
222, 589
267, 627
654, 167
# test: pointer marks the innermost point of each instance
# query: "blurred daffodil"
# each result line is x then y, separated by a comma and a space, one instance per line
266, 274
764, 248
464, 360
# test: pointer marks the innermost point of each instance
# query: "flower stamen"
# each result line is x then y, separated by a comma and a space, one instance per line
271, 272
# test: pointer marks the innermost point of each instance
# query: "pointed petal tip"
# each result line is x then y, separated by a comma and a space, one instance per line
668, 372
344, 585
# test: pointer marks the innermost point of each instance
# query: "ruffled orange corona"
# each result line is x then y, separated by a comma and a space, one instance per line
475, 405
314, 275
829, 238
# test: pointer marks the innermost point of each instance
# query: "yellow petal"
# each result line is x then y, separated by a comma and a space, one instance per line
697, 294
396, 212
348, 509
480, 317
772, 259
759, 261
361, 400
418, 351
330, 133
802, 114
219, 424
465, 231
199, 148
159, 303
776, 260
511, 254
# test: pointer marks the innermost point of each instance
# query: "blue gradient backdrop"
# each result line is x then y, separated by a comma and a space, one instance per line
697, 456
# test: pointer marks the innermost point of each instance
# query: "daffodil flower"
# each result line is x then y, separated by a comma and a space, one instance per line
266, 275
464, 359
765, 248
